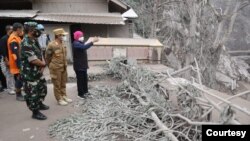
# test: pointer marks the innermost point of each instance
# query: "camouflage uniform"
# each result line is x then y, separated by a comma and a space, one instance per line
35, 85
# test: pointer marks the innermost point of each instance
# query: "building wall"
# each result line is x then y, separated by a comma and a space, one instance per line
72, 6
49, 29
119, 31
102, 53
85, 6
15, 5
91, 30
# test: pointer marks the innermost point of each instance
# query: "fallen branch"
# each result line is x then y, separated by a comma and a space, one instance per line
232, 121
163, 127
187, 68
199, 87
237, 95
198, 71
157, 120
230, 98
194, 122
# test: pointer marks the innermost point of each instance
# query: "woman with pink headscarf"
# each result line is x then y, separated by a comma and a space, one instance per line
80, 62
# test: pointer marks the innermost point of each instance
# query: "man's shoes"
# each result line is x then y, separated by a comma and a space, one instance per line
43, 107
82, 97
1, 90
38, 115
62, 103
11, 92
20, 97
67, 99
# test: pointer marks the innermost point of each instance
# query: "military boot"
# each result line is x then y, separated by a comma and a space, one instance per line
38, 115
43, 106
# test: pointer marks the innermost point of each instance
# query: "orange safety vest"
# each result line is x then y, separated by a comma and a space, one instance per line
12, 57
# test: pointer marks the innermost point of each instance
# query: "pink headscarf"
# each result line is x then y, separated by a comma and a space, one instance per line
78, 34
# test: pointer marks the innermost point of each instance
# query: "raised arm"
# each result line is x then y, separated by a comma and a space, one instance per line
14, 47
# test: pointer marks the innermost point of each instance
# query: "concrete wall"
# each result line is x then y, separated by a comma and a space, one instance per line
102, 53
72, 6
119, 31
141, 53
49, 29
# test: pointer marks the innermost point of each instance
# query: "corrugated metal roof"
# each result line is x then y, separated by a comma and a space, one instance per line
18, 13
129, 42
92, 18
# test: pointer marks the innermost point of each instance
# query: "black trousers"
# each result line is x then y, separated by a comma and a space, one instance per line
18, 83
3, 80
82, 82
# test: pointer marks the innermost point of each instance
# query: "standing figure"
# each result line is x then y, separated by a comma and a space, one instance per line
43, 39
14, 52
4, 62
32, 68
80, 59
56, 55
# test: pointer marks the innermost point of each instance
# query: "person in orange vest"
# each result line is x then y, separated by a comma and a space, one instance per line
14, 49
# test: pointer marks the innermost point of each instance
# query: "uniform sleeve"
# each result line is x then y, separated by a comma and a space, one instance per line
29, 53
14, 47
49, 54
82, 45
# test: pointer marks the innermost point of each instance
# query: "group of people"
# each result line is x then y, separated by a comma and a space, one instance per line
26, 50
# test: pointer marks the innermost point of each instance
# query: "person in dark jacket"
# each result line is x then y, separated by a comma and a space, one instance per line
80, 61
4, 62
5, 79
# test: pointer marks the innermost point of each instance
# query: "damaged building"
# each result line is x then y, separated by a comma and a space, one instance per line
112, 20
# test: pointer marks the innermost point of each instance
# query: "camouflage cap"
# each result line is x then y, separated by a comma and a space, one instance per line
30, 24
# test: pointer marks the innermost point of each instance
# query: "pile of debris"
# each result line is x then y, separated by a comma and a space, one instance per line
141, 107
230, 70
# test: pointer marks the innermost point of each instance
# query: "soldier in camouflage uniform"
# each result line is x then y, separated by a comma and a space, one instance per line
32, 68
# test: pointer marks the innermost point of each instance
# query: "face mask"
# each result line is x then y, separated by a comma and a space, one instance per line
37, 33
64, 38
81, 39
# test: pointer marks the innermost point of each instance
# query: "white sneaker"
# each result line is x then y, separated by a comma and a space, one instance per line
67, 99
62, 103
12, 92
